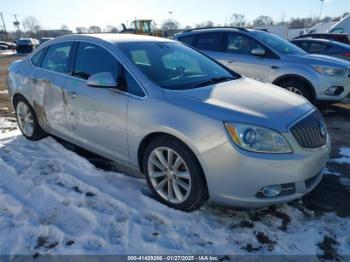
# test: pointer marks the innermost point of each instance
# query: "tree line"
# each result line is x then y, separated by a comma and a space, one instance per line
30, 26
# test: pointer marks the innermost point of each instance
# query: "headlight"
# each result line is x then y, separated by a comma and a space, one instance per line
329, 71
257, 139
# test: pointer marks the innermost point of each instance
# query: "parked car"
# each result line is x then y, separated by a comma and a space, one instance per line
8, 45
324, 47
3, 47
341, 38
44, 39
195, 128
26, 45
343, 26
269, 58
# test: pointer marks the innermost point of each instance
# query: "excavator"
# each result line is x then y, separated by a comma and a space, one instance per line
142, 27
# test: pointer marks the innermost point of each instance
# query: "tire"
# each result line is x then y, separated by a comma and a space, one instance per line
298, 87
37, 132
190, 171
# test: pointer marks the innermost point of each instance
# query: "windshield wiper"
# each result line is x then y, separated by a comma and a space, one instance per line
215, 80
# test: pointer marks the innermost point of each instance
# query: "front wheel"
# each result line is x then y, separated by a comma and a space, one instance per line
27, 121
297, 87
174, 175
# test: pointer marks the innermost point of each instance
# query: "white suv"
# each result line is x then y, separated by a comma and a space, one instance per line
269, 58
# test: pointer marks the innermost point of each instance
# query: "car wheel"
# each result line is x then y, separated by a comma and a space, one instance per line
27, 121
174, 175
297, 87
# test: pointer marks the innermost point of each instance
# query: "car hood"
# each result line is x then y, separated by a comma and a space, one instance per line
246, 101
324, 60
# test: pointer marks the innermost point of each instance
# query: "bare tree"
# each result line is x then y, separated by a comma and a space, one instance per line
237, 20
263, 20
65, 27
205, 24
31, 24
170, 24
94, 29
81, 30
110, 29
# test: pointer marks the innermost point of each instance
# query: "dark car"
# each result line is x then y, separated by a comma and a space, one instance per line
324, 47
342, 38
25, 45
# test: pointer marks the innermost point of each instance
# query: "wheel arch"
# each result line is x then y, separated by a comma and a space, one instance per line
154, 135
17, 96
287, 77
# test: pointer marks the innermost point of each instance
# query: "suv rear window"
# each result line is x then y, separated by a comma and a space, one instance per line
187, 39
208, 41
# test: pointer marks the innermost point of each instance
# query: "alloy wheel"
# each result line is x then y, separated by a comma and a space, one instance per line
25, 119
294, 90
169, 175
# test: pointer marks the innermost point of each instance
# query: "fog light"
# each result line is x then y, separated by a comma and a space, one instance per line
271, 191
334, 90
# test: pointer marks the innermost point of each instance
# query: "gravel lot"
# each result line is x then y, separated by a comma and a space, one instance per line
330, 198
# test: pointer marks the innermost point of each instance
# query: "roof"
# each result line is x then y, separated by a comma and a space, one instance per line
114, 38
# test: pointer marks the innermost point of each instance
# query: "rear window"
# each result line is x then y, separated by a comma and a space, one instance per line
208, 41
317, 47
57, 58
188, 39
24, 42
37, 57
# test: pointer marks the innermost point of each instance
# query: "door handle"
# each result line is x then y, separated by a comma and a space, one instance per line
274, 67
231, 61
72, 94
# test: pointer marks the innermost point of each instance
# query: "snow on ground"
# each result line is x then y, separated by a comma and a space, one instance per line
53, 201
7, 124
345, 152
7, 52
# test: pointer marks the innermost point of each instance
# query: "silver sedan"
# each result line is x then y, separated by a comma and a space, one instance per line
196, 129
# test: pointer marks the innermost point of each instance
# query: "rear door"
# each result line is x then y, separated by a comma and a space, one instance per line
97, 116
48, 79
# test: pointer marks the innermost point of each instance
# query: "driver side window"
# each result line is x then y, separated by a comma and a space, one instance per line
241, 44
92, 59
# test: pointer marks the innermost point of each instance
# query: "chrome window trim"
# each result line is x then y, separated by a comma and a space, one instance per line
117, 58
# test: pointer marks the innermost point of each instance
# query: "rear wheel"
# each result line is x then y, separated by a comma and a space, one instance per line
174, 175
297, 87
27, 121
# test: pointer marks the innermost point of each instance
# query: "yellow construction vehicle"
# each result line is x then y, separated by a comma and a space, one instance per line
142, 27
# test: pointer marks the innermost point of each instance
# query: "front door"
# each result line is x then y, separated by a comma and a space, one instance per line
238, 56
97, 116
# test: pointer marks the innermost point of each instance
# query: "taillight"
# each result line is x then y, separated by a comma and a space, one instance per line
346, 54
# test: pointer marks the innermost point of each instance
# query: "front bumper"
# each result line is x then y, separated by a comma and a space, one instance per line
324, 83
235, 176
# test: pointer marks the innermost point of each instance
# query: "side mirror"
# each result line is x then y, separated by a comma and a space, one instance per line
103, 79
258, 51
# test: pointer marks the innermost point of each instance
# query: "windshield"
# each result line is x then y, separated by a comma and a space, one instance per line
24, 42
175, 66
278, 44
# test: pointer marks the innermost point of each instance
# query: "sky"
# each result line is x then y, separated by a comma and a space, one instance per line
74, 13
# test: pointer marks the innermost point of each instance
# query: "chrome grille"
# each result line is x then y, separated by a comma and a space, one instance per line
308, 133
